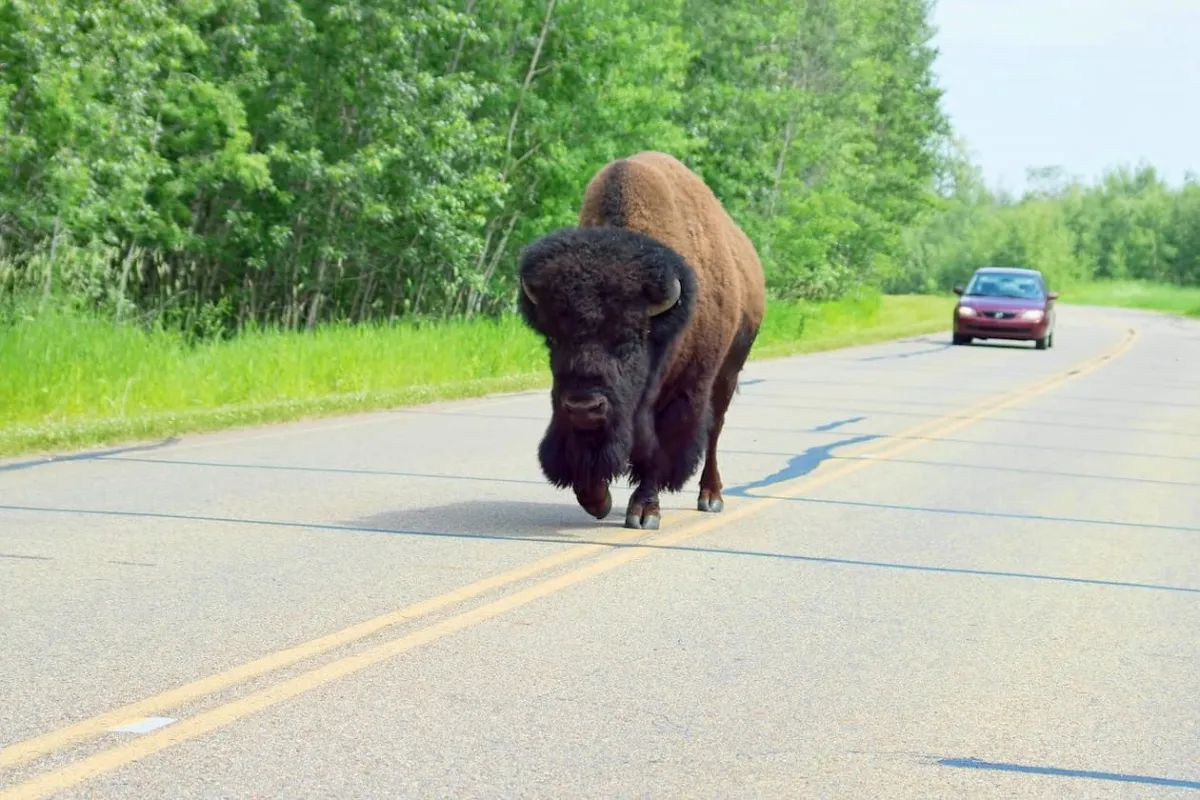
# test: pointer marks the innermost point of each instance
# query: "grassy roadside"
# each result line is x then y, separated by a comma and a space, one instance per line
1136, 294
72, 381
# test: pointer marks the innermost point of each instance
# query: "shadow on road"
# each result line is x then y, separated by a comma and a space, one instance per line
1120, 777
94, 455
501, 518
967, 465
798, 465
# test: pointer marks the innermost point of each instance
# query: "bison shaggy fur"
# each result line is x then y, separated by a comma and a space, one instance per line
649, 308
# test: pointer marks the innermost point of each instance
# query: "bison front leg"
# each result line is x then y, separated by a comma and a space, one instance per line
643, 512
586, 464
646, 463
668, 457
595, 499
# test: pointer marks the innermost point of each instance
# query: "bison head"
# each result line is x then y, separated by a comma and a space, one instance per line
609, 303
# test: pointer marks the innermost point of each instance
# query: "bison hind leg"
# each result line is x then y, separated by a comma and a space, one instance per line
710, 500
724, 386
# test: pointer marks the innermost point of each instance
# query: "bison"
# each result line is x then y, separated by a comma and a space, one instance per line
648, 308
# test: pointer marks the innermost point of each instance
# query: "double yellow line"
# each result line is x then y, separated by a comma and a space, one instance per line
221, 715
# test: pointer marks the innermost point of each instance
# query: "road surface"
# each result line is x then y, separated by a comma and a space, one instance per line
941, 572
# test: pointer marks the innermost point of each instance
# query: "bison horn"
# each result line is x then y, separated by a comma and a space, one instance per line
672, 299
528, 293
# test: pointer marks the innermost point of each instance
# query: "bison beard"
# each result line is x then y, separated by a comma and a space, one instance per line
587, 461
644, 366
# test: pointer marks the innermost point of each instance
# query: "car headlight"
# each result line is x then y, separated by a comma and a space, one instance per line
966, 311
1032, 315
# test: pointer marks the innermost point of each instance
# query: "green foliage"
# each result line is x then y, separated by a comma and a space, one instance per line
819, 121
1138, 294
219, 163
860, 317
74, 378
1127, 226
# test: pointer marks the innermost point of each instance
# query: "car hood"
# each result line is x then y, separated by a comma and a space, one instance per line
1002, 303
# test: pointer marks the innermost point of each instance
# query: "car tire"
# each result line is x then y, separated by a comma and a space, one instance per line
1040, 343
1050, 340
960, 339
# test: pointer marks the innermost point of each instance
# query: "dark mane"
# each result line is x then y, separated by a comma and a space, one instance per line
642, 259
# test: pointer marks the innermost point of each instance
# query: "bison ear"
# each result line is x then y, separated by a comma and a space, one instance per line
672, 298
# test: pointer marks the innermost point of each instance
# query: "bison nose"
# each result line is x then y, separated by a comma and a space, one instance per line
585, 408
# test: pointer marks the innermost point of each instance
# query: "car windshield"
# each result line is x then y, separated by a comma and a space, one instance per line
1000, 285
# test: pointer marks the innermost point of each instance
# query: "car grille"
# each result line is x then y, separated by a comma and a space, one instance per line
1008, 329
998, 314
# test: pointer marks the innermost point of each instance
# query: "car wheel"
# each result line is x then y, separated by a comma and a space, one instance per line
960, 339
1041, 343
1050, 340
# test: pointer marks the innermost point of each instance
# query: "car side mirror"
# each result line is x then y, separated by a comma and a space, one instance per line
1051, 295
958, 290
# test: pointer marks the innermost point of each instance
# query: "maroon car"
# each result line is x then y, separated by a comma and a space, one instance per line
1005, 303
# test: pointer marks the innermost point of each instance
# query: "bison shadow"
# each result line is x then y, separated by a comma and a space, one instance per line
556, 520
491, 519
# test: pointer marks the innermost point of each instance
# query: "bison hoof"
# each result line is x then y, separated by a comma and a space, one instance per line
597, 508
642, 518
710, 501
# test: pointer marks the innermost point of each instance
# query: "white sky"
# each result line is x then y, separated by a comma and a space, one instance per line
1081, 84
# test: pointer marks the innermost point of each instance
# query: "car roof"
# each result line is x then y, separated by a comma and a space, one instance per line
1008, 271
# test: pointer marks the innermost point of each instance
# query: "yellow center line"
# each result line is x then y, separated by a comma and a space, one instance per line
222, 715
173, 698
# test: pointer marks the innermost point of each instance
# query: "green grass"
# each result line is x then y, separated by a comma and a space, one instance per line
795, 328
73, 381
1136, 294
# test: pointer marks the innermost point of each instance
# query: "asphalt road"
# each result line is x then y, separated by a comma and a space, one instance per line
941, 572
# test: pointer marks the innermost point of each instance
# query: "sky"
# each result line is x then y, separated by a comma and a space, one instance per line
1081, 84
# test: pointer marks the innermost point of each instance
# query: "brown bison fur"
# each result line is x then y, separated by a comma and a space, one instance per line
649, 309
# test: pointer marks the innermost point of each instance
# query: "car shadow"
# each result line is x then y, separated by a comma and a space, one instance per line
1000, 344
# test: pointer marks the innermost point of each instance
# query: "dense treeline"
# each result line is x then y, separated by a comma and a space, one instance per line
1129, 224
295, 161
